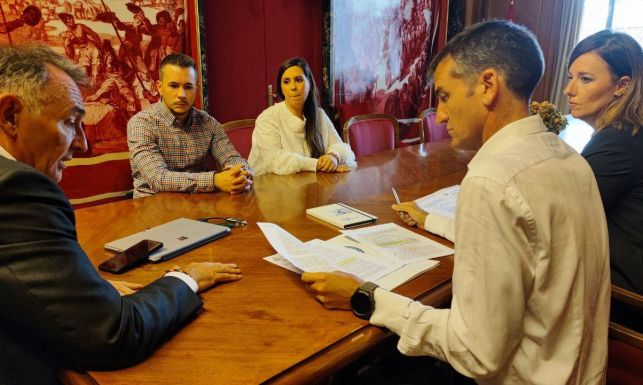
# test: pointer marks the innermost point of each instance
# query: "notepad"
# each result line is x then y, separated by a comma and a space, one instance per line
341, 215
178, 236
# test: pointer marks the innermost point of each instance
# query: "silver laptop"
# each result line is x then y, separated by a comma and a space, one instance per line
178, 236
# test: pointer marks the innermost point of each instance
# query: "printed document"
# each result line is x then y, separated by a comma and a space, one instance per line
319, 256
341, 253
396, 241
441, 202
388, 282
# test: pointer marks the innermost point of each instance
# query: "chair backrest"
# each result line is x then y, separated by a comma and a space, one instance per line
625, 347
371, 133
348, 110
430, 130
240, 134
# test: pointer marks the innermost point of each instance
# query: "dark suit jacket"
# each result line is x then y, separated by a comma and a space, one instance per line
616, 157
55, 310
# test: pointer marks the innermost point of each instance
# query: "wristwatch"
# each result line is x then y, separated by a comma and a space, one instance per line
363, 300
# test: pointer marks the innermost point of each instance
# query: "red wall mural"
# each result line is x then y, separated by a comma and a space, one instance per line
120, 45
380, 53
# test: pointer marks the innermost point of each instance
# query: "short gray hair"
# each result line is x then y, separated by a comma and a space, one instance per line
23, 72
509, 48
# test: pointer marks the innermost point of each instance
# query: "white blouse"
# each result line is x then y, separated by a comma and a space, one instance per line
279, 143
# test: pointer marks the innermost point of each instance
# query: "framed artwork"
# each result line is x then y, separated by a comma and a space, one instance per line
378, 53
120, 44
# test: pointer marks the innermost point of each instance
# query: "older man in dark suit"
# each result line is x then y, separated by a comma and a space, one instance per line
55, 311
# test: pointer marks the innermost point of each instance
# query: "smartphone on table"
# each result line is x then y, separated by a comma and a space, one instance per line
130, 257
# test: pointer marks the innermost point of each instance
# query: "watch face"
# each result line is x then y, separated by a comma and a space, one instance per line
361, 304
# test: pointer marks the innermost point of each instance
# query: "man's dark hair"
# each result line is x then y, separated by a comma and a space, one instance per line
177, 59
509, 48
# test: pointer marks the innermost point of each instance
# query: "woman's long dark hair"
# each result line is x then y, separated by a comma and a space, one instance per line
311, 106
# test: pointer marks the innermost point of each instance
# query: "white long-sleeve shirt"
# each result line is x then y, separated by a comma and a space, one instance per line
279, 143
531, 280
440, 225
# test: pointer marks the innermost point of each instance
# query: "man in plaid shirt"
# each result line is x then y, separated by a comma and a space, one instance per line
169, 142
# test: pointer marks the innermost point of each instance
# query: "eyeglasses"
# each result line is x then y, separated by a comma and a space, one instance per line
230, 222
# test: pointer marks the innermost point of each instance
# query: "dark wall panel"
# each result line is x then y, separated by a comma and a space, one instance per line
247, 42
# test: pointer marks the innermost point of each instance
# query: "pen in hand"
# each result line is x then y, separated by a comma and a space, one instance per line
397, 198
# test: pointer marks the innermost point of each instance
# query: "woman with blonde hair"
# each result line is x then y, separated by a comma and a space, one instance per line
296, 135
605, 90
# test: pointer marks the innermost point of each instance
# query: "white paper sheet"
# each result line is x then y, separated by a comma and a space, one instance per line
318, 256
396, 241
341, 253
441, 202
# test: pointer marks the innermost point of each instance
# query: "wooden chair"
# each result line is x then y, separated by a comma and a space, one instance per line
240, 134
371, 133
430, 130
625, 345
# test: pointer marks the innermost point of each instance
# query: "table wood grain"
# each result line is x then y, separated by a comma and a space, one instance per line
267, 328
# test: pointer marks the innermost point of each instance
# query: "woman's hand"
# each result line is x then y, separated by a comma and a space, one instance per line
327, 163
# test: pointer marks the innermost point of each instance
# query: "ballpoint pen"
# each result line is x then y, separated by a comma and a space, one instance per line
397, 198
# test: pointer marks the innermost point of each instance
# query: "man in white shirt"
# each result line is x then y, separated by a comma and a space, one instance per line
531, 279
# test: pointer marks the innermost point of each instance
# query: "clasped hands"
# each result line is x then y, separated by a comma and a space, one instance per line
234, 179
205, 274
330, 163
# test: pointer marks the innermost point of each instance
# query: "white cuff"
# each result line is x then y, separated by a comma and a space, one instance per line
440, 225
185, 278
389, 310
309, 164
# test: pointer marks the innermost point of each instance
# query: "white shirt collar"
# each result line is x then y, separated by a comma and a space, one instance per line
507, 135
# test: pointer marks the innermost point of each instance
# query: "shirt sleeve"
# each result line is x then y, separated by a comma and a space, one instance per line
491, 280
222, 149
609, 154
142, 139
335, 144
268, 154
440, 225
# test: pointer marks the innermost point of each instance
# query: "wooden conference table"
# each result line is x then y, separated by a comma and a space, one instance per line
267, 328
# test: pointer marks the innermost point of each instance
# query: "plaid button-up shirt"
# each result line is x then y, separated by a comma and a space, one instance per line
168, 156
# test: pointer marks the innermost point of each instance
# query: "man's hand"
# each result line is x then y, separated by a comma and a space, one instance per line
333, 290
233, 179
327, 163
125, 288
410, 213
208, 274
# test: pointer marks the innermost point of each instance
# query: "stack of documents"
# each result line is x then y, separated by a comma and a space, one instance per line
387, 254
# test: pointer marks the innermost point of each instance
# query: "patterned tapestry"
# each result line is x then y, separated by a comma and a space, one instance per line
120, 44
380, 51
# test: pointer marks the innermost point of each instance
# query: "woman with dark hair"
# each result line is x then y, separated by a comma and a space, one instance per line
605, 90
296, 135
